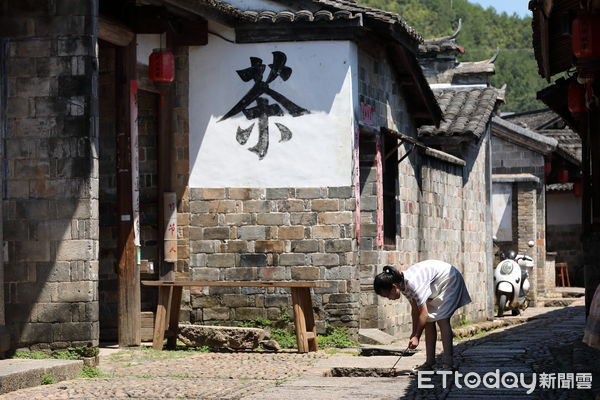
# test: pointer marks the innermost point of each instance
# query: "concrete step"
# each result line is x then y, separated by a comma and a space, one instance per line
374, 336
18, 373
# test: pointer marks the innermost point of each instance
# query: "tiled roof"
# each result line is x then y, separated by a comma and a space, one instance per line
297, 16
445, 44
331, 10
569, 143
540, 121
522, 136
532, 119
465, 111
559, 187
449, 47
372, 13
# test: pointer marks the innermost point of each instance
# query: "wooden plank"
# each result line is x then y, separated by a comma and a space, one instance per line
147, 319
114, 32
297, 284
299, 321
129, 310
309, 316
174, 317
160, 323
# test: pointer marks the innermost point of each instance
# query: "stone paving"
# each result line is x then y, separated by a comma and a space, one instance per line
550, 344
137, 374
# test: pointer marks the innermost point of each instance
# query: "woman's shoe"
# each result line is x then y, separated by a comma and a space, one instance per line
422, 367
446, 367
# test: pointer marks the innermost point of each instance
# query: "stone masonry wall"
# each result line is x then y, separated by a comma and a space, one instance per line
508, 158
441, 207
51, 178
273, 234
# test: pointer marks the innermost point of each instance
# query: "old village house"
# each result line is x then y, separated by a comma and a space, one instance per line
295, 143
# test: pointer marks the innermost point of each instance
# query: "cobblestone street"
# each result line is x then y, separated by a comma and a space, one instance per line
548, 344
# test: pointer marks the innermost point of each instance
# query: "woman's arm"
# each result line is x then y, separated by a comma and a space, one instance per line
419, 319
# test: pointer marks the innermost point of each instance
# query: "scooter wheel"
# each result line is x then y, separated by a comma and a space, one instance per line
501, 305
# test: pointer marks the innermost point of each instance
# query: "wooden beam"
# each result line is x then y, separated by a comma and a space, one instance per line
113, 32
189, 33
129, 312
545, 45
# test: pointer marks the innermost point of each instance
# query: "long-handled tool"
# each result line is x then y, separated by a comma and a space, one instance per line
399, 358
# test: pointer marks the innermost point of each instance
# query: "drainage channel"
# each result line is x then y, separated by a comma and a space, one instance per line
339, 372
342, 372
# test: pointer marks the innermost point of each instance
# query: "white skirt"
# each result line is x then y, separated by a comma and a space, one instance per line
448, 293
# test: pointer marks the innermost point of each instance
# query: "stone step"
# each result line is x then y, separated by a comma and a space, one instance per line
18, 373
558, 301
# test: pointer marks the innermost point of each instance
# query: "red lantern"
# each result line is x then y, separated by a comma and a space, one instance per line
547, 167
162, 66
585, 37
577, 189
576, 98
563, 175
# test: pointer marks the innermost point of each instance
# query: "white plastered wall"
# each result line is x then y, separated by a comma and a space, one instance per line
319, 153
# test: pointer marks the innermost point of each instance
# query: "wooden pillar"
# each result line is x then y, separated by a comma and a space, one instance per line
594, 154
165, 181
585, 178
129, 313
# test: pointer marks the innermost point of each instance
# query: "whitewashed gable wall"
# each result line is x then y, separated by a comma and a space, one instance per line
319, 153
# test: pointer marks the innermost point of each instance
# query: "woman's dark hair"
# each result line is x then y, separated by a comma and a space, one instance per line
383, 282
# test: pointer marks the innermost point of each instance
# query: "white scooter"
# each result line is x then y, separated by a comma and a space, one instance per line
511, 282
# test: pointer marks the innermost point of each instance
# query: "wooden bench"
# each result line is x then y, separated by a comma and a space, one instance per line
169, 304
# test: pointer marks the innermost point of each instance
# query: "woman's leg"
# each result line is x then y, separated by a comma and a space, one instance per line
430, 338
446, 333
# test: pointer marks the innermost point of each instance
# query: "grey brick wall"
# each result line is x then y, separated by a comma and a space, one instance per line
509, 158
273, 234
51, 179
441, 208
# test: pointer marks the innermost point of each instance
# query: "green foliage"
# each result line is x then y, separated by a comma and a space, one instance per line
70, 353
48, 380
256, 323
76, 353
335, 336
90, 372
285, 337
283, 332
34, 355
463, 321
482, 31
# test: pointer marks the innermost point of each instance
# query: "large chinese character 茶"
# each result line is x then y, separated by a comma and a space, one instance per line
263, 110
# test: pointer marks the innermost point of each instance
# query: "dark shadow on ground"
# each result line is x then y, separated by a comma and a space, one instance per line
555, 352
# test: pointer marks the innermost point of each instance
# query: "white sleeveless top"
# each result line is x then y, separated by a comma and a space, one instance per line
438, 284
